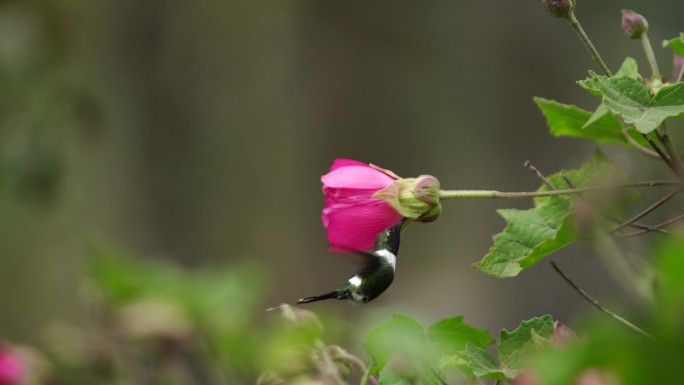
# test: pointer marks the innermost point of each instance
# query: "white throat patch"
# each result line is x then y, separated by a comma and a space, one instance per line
355, 281
388, 257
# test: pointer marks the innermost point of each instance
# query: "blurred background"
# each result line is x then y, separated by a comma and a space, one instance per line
196, 132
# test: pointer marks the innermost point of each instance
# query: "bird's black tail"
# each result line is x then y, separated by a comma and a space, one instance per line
333, 294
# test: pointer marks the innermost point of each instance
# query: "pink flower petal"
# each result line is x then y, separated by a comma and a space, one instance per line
355, 226
11, 368
363, 177
337, 163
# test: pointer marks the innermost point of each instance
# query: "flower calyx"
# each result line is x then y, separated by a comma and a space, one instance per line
414, 198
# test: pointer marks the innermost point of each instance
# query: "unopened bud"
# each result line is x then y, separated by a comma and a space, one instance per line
559, 8
525, 378
562, 334
427, 189
678, 63
596, 376
415, 198
633, 24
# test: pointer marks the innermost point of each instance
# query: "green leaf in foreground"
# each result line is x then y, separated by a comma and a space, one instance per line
630, 99
532, 234
406, 374
401, 334
676, 44
569, 120
515, 347
477, 362
452, 335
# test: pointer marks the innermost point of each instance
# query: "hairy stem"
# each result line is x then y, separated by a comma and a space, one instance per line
588, 44
646, 44
493, 194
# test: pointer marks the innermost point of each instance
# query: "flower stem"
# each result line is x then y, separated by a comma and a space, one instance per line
646, 43
587, 43
493, 194
366, 375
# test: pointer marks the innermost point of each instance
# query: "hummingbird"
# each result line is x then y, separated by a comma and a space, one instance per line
376, 273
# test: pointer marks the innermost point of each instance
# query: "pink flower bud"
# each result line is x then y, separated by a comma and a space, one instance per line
562, 335
352, 217
633, 24
12, 368
525, 378
595, 376
559, 8
678, 63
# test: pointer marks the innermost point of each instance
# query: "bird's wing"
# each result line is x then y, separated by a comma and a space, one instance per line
361, 259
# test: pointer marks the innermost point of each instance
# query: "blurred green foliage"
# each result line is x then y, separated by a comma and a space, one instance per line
180, 125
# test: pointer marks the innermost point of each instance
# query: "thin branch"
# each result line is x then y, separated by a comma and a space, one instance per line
647, 211
615, 219
664, 138
595, 302
658, 226
539, 175
637, 146
662, 155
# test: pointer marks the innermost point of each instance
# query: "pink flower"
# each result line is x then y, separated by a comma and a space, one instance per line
12, 370
525, 378
351, 216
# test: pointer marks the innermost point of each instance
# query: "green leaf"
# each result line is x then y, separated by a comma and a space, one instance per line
407, 375
401, 334
452, 335
599, 113
476, 362
629, 69
515, 347
572, 121
532, 234
482, 363
676, 44
630, 99
529, 236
